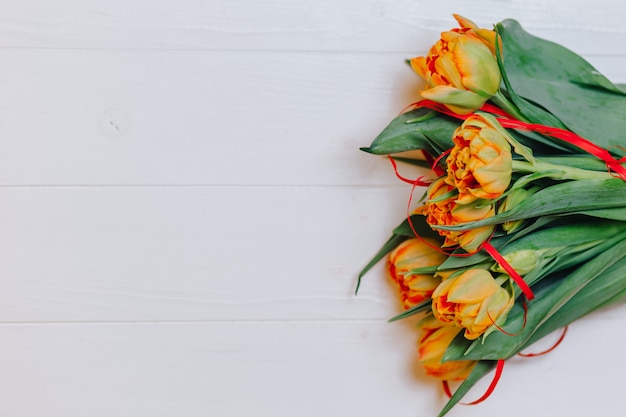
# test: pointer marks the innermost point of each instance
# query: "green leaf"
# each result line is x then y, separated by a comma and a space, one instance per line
419, 162
544, 146
423, 306
458, 262
463, 260
418, 129
590, 163
606, 289
567, 245
570, 256
589, 77
424, 270
601, 292
612, 214
532, 112
401, 233
569, 197
481, 369
551, 295
420, 226
390, 245
564, 84
622, 87
569, 234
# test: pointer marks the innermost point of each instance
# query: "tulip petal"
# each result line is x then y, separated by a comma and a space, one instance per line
464, 22
478, 67
488, 37
464, 213
495, 177
472, 286
435, 339
471, 240
408, 256
446, 67
419, 66
465, 100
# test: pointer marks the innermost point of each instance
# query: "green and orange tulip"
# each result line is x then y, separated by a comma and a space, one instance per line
460, 70
442, 209
411, 254
473, 300
435, 339
480, 163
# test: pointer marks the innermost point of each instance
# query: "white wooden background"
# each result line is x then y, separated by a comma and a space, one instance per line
183, 210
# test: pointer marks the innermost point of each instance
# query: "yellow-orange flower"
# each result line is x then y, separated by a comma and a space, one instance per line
435, 339
411, 254
480, 163
442, 209
461, 70
473, 300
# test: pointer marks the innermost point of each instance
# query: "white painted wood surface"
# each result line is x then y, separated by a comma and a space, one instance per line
184, 210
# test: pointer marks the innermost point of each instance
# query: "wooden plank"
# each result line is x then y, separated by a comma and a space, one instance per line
184, 211
370, 25
233, 118
279, 369
196, 117
207, 369
194, 253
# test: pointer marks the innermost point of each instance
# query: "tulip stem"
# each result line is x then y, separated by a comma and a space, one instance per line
505, 104
560, 172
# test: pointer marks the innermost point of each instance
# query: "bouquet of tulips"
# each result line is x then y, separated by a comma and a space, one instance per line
522, 228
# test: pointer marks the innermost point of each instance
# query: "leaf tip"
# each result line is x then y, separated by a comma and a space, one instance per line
358, 283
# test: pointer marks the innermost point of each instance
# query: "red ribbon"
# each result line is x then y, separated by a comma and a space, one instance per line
433, 163
570, 137
492, 386
558, 342
507, 121
525, 306
438, 107
490, 108
419, 182
487, 246
416, 183
498, 374
436, 168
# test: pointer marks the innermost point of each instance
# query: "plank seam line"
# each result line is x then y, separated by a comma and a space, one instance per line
44, 186
185, 322
268, 51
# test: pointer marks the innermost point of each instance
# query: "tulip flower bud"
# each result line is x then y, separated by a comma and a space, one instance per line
473, 300
513, 198
435, 339
441, 210
523, 261
480, 163
409, 255
460, 70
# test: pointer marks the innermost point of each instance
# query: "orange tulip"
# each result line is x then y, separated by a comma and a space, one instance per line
461, 70
442, 209
435, 339
411, 254
480, 163
473, 300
